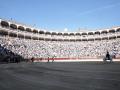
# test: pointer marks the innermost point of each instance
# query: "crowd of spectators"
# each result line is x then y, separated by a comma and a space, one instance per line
61, 49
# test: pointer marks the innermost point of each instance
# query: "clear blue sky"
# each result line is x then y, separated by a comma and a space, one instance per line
59, 14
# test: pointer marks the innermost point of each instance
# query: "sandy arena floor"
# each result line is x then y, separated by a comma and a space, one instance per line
60, 76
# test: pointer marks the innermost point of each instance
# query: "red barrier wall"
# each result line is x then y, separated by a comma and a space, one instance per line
41, 59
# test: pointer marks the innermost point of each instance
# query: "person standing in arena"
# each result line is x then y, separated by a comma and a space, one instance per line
48, 59
53, 59
32, 59
108, 55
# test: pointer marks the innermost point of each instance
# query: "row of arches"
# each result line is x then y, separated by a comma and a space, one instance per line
14, 26
22, 28
79, 34
19, 35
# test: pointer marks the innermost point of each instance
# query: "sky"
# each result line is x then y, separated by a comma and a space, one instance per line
60, 15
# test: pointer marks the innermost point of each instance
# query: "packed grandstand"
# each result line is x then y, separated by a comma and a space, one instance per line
30, 42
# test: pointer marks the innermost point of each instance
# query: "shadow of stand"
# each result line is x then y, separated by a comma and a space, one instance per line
7, 56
